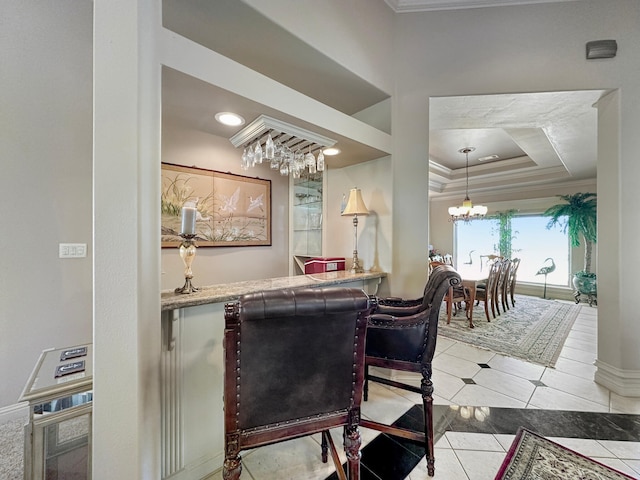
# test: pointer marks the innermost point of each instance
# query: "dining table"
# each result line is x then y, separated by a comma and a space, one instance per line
470, 281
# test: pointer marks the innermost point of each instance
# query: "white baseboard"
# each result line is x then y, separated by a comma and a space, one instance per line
625, 383
201, 469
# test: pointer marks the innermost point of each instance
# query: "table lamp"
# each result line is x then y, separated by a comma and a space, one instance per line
355, 206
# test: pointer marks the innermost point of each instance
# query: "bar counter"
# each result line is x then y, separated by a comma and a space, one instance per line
231, 291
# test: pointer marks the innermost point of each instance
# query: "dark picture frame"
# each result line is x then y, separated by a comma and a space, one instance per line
232, 210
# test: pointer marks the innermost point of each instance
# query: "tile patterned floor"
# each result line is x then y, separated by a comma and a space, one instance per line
481, 398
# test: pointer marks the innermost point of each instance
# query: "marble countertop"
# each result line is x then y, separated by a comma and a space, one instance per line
231, 291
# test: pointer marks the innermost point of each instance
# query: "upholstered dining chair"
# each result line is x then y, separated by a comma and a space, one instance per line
502, 288
515, 263
454, 297
294, 366
486, 292
402, 336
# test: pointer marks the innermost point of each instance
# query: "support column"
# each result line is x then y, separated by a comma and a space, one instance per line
618, 361
126, 222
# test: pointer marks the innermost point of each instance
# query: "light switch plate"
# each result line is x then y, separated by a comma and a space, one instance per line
72, 250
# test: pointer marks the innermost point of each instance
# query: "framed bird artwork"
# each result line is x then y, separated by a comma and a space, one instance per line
230, 210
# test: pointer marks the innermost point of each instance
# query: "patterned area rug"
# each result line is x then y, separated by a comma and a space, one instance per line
534, 330
532, 457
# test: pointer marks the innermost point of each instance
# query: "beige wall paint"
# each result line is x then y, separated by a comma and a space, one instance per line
45, 112
215, 265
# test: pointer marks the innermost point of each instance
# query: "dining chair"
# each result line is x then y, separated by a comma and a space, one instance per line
502, 288
294, 366
515, 263
486, 292
402, 336
454, 297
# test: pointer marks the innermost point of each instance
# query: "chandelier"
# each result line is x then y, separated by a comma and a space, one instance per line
467, 211
289, 149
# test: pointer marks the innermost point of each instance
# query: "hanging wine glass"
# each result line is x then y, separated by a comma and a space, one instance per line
320, 161
269, 148
244, 164
309, 159
284, 168
295, 171
251, 162
257, 154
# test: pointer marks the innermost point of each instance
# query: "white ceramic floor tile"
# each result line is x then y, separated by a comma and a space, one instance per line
585, 336
481, 396
587, 389
625, 404
501, 382
446, 385
616, 464
578, 369
578, 355
628, 450
473, 441
578, 344
453, 365
298, 458
471, 353
443, 344
447, 466
553, 399
505, 440
384, 405
635, 466
480, 465
586, 447
517, 367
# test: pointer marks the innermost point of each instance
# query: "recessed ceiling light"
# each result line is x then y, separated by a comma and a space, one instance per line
488, 157
228, 118
331, 151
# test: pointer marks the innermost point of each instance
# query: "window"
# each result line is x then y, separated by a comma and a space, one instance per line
531, 242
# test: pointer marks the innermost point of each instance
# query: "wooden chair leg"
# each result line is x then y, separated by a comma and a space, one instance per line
232, 468
427, 401
352, 443
324, 447
365, 387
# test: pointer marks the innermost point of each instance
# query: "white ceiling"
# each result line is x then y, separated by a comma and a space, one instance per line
538, 137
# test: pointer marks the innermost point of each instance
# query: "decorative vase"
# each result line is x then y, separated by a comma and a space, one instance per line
585, 284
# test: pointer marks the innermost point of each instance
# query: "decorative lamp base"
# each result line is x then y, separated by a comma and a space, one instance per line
187, 254
356, 267
187, 287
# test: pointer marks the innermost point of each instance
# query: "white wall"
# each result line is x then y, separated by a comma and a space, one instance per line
358, 34
45, 145
374, 230
215, 265
538, 48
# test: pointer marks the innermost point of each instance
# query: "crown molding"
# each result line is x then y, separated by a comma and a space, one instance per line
408, 6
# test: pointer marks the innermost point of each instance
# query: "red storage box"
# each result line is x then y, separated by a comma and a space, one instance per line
322, 265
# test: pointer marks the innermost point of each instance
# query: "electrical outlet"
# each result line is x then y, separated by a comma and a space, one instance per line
72, 250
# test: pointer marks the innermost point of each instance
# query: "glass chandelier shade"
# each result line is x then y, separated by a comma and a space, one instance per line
467, 211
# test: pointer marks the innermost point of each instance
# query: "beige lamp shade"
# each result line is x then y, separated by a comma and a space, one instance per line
355, 204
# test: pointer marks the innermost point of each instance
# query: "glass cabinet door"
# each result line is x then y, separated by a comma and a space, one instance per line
306, 218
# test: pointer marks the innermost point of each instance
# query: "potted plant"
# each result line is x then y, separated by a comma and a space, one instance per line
577, 216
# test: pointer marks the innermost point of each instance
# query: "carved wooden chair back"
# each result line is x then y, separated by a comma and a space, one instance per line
406, 341
294, 366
